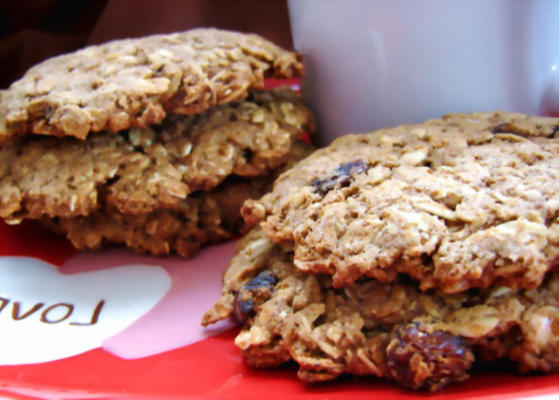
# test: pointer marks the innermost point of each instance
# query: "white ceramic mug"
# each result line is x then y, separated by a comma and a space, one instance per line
380, 63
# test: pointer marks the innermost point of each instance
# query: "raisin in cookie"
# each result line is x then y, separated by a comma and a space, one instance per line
420, 339
458, 202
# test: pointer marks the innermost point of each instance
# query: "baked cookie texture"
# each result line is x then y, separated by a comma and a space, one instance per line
419, 339
143, 169
170, 187
465, 201
174, 169
204, 217
407, 253
137, 82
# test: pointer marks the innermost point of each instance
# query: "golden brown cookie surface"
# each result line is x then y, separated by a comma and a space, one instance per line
207, 217
169, 187
459, 202
140, 170
137, 82
421, 340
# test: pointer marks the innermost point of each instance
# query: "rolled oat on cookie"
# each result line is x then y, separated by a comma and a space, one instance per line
152, 142
407, 253
468, 200
419, 339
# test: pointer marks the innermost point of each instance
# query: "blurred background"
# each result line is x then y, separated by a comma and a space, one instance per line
33, 30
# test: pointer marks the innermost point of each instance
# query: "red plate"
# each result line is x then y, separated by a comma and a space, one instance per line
148, 359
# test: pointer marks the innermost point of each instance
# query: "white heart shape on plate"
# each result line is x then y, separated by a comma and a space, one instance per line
175, 321
46, 315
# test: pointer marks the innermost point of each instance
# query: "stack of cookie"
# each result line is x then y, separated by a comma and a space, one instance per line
406, 253
153, 142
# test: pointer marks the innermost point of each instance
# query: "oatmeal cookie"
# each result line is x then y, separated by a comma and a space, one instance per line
419, 339
137, 82
455, 203
169, 187
204, 217
139, 171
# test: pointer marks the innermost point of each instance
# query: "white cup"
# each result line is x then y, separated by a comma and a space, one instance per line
380, 63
